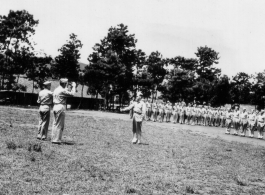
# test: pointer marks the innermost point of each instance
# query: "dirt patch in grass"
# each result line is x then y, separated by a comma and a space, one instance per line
102, 160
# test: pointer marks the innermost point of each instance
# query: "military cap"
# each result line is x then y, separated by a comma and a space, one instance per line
47, 82
63, 80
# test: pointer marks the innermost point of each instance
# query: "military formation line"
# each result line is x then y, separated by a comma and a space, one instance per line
240, 121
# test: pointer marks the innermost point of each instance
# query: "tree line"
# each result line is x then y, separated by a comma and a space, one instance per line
118, 67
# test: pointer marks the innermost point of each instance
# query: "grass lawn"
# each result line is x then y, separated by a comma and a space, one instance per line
98, 158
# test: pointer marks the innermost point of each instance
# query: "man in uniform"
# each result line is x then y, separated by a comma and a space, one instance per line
260, 125
222, 117
155, 110
188, 114
178, 112
45, 102
174, 113
244, 122
193, 115
252, 121
139, 113
236, 120
59, 100
148, 110
168, 109
182, 113
228, 122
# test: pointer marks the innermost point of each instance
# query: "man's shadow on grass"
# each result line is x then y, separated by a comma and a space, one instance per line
68, 142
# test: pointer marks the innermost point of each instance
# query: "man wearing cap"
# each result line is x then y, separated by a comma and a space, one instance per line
161, 112
139, 113
236, 120
168, 109
45, 101
252, 121
148, 109
260, 124
229, 121
243, 122
155, 110
59, 100
182, 113
188, 113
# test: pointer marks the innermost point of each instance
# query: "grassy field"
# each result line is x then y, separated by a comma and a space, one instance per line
98, 158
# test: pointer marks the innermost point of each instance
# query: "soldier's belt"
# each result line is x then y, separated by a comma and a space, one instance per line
137, 112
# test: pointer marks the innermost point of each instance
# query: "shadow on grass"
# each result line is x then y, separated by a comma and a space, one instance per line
145, 144
68, 142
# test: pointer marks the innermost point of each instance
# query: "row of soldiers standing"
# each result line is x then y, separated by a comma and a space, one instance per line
204, 115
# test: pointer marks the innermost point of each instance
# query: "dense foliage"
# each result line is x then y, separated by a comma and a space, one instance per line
117, 68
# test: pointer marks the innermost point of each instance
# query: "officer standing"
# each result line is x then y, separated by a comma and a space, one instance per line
139, 113
59, 100
45, 102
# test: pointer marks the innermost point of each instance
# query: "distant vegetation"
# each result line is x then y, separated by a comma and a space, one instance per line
116, 67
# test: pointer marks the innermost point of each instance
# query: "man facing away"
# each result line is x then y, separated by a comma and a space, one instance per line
59, 100
45, 102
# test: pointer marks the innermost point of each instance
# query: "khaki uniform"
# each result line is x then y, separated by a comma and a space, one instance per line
236, 121
182, 114
252, 120
148, 111
188, 115
138, 117
60, 95
168, 109
45, 101
161, 112
260, 125
243, 122
155, 111
228, 121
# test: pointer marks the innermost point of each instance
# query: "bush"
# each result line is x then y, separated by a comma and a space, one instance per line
11, 145
35, 147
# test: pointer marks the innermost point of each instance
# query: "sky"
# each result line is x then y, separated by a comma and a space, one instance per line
233, 28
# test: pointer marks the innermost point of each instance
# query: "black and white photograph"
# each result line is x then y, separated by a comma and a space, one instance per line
137, 97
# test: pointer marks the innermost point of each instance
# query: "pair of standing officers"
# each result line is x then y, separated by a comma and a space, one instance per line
58, 99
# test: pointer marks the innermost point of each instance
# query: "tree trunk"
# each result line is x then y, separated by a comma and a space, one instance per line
33, 87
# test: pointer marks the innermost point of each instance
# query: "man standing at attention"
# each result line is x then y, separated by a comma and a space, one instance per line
236, 120
260, 124
59, 100
252, 121
155, 111
45, 101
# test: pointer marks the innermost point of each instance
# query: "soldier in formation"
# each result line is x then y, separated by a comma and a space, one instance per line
240, 121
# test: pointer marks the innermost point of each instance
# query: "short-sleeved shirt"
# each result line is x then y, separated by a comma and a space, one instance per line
60, 94
252, 117
45, 97
138, 107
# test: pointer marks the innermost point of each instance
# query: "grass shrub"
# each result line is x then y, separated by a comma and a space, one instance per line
11, 145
